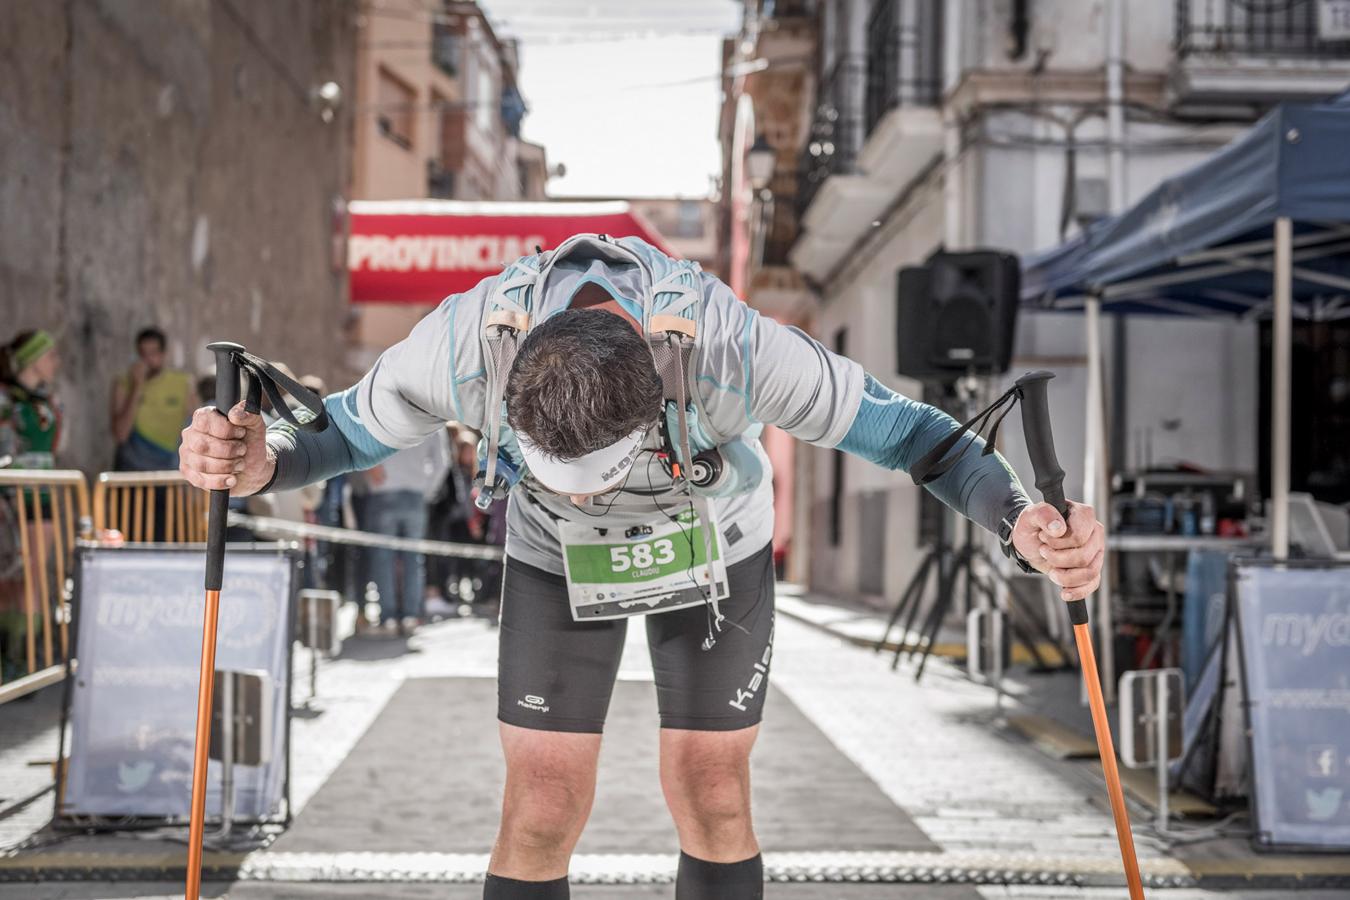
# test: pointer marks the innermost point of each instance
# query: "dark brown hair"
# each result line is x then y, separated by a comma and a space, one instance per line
583, 380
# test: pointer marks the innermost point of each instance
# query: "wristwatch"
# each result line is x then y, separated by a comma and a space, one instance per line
1005, 530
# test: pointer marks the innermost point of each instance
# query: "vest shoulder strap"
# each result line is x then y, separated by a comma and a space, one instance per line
671, 308
505, 323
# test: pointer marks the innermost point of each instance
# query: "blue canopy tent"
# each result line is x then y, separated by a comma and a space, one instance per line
1260, 227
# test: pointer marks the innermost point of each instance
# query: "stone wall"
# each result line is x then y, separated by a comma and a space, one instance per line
164, 162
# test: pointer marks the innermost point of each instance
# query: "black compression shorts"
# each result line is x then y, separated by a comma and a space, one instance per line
554, 674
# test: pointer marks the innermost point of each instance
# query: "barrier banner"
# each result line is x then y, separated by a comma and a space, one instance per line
421, 251
1294, 629
133, 701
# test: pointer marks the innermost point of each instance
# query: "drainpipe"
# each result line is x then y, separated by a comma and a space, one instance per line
954, 230
1115, 103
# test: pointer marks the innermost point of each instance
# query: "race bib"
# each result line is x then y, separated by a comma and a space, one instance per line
643, 569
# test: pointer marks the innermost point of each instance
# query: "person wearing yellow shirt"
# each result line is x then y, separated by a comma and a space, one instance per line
150, 403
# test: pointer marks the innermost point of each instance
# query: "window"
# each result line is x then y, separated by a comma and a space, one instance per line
440, 181
440, 123
485, 100
395, 102
445, 50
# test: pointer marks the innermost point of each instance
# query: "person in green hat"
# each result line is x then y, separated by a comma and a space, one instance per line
30, 433
30, 422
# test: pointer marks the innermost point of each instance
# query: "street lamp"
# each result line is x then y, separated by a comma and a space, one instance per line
327, 97
760, 162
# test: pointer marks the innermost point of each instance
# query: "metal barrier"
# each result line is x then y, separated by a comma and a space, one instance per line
131, 502
285, 528
48, 511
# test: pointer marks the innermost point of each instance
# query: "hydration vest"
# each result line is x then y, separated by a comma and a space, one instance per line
671, 299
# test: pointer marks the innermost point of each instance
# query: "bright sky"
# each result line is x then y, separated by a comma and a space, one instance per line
625, 93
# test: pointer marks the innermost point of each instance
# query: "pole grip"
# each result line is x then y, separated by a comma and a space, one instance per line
227, 395
1041, 447
1041, 440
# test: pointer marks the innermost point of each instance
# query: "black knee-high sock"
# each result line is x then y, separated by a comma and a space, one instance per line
498, 888
702, 880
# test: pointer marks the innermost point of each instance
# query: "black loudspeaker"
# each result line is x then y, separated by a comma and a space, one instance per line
956, 314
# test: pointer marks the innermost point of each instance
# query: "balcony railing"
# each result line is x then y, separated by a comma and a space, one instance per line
836, 128
904, 56
1286, 28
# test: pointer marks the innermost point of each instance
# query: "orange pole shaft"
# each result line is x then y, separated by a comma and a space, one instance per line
205, 688
1106, 747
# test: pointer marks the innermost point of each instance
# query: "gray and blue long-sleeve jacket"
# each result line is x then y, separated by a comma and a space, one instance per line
749, 371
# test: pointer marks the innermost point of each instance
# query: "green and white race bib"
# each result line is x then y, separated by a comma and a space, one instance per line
643, 569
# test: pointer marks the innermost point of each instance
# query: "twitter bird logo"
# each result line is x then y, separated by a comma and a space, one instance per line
1322, 805
132, 777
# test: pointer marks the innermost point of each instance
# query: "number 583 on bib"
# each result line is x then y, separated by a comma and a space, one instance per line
657, 568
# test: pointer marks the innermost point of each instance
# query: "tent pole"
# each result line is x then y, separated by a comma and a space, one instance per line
1096, 492
1281, 345
1095, 487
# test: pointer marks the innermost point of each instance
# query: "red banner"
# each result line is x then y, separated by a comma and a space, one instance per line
420, 251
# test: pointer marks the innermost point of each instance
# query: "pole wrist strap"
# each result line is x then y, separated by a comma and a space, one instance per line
936, 463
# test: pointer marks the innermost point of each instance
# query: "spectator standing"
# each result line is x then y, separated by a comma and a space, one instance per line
396, 505
30, 435
337, 561
448, 520
493, 534
150, 403
30, 420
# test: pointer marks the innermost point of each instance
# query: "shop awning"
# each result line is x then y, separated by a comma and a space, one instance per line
420, 251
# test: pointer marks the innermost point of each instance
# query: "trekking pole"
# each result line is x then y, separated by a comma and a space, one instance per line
227, 395
1050, 482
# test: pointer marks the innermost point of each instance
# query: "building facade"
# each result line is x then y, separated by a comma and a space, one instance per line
173, 164
439, 110
768, 75
438, 116
1009, 125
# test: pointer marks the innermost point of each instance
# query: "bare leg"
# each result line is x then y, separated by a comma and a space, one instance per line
706, 779
550, 785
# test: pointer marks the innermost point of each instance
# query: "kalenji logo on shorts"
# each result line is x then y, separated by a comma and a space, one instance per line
756, 680
538, 704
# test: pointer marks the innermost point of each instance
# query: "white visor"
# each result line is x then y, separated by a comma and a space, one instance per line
593, 473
